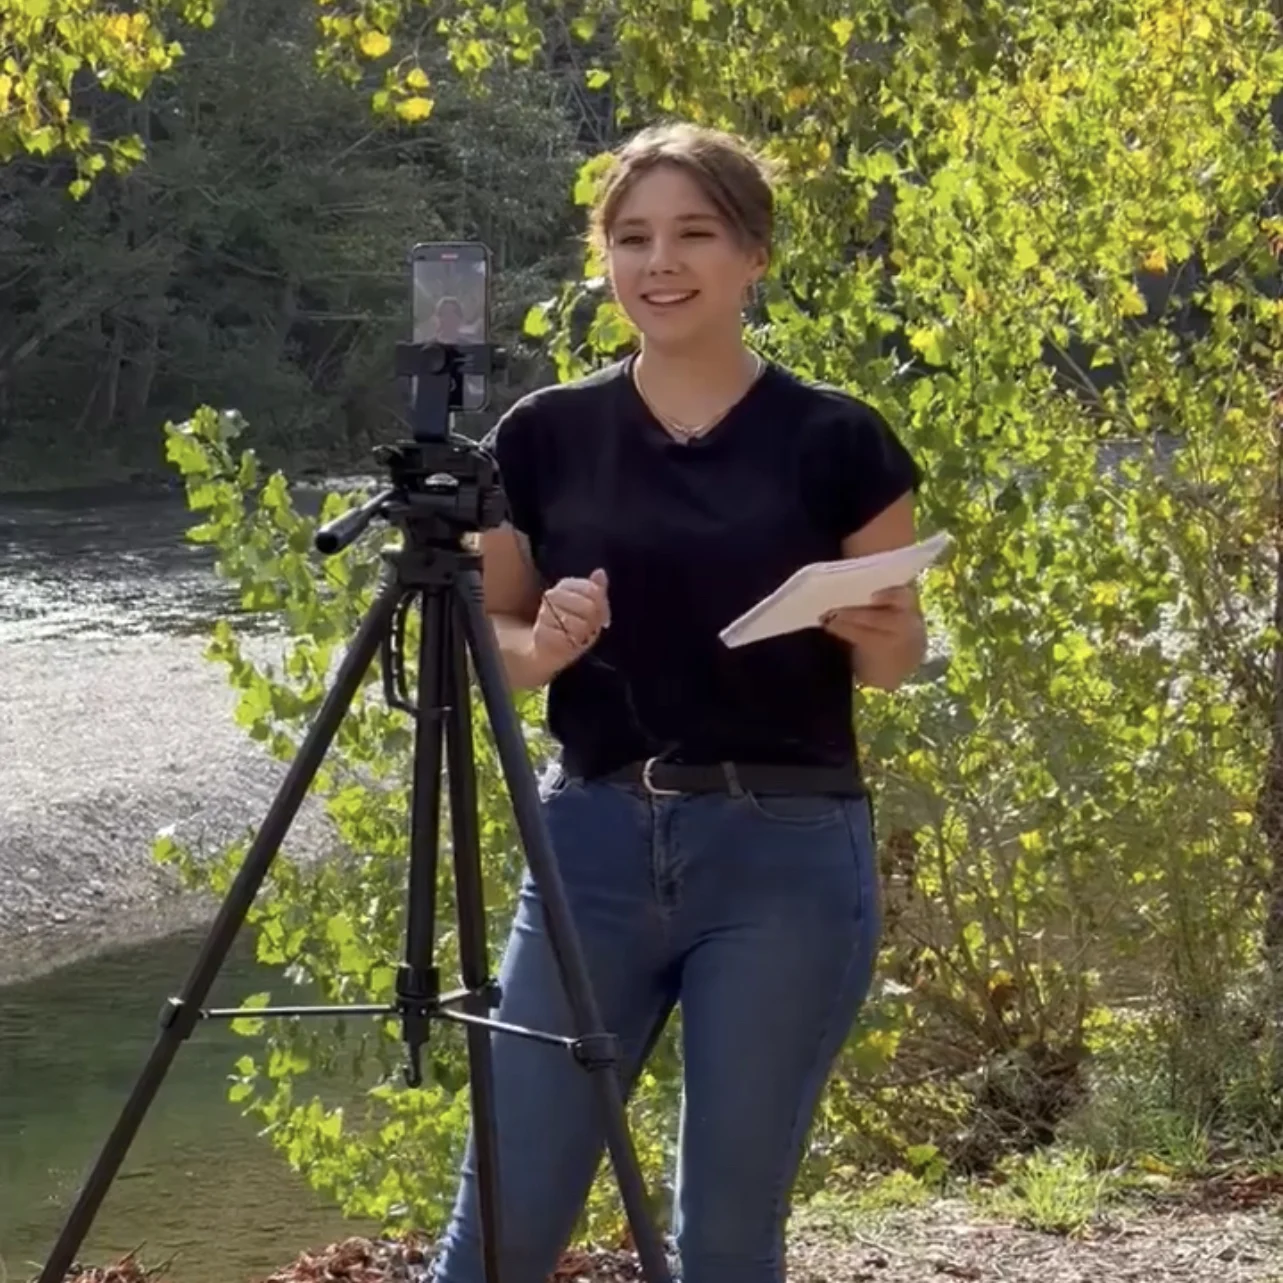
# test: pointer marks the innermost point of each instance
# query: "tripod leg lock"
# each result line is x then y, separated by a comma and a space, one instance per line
177, 1014
596, 1051
418, 989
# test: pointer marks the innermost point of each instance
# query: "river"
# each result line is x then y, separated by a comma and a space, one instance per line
198, 1185
113, 725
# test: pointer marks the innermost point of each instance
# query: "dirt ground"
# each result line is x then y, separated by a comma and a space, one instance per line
1221, 1232
949, 1241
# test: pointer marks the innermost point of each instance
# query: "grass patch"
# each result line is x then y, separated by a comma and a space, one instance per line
1053, 1191
836, 1213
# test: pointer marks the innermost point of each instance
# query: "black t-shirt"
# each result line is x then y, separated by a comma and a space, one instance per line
690, 536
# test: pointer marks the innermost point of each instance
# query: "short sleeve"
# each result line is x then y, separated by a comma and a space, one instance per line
860, 468
511, 442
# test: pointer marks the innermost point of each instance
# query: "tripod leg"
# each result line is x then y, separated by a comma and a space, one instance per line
562, 933
473, 962
417, 984
181, 1013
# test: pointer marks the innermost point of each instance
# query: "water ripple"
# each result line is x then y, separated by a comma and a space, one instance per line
110, 563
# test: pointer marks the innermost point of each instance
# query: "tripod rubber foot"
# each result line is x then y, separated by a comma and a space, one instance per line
596, 1051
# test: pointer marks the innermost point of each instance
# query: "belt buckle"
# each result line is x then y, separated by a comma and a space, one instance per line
649, 784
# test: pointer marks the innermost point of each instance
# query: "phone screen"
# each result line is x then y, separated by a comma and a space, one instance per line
451, 283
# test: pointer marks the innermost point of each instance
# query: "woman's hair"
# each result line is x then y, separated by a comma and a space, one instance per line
733, 177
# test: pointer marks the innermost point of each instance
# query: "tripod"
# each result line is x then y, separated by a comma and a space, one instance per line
442, 490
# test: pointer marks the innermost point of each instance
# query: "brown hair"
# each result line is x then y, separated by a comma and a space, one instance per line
733, 177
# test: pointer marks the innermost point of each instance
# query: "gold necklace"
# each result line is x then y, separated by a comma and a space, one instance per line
687, 433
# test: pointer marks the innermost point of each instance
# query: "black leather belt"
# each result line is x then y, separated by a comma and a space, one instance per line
662, 778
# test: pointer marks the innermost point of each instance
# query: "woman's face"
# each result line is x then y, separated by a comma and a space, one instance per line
449, 320
676, 266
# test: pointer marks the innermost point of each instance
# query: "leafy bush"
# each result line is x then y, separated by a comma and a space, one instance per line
1043, 240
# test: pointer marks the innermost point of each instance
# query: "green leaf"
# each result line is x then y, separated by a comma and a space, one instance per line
249, 1026
932, 344
536, 323
590, 175
1026, 255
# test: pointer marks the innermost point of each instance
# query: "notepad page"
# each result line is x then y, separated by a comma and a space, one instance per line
809, 594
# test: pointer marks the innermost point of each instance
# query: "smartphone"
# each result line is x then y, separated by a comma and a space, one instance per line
451, 290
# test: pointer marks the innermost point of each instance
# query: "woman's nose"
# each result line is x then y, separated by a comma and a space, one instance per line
663, 255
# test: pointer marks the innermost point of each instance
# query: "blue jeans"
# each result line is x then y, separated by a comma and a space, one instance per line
761, 917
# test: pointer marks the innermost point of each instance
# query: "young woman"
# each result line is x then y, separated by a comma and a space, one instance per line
708, 816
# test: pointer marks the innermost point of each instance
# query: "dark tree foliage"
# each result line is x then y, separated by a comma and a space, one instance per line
255, 257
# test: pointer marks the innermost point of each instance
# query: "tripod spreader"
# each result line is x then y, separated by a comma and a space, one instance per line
592, 1051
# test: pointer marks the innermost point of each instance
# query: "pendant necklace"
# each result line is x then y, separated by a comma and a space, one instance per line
686, 433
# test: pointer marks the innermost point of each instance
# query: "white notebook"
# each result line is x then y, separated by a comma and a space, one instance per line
807, 595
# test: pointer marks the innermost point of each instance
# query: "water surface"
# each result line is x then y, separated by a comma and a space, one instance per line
102, 563
198, 1184
112, 561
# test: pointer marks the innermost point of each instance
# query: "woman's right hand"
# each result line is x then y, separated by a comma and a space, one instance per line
571, 615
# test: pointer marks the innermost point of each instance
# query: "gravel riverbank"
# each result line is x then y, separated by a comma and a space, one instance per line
103, 743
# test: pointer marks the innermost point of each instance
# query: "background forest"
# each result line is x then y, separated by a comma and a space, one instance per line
257, 259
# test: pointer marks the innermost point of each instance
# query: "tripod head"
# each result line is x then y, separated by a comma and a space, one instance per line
443, 486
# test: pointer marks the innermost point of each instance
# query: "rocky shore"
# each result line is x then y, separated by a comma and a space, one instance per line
103, 742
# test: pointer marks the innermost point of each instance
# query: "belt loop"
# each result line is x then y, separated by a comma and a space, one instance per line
732, 779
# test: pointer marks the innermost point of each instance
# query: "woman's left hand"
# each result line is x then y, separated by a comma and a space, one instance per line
889, 636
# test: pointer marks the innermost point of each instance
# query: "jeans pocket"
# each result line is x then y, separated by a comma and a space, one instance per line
865, 845
798, 810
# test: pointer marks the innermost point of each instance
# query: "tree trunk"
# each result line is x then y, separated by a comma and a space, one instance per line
1272, 793
143, 369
